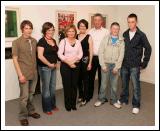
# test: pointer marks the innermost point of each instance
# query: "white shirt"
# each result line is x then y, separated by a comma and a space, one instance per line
131, 34
97, 36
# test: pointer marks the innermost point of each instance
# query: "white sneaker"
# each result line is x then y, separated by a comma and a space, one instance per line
98, 103
119, 102
117, 105
135, 110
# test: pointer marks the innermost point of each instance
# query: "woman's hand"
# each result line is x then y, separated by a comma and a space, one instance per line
52, 66
89, 67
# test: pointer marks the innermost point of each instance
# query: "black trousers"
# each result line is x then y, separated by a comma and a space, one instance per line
92, 74
83, 83
69, 81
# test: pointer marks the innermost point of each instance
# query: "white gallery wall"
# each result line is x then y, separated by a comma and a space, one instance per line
40, 14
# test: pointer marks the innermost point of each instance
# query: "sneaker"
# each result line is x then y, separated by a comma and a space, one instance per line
122, 103
98, 103
119, 102
117, 105
135, 110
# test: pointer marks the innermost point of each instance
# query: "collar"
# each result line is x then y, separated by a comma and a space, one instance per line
26, 39
99, 28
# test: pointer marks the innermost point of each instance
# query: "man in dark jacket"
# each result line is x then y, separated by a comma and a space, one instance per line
135, 42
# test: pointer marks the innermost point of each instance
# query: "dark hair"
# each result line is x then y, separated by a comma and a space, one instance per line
133, 16
83, 21
98, 14
72, 26
115, 23
24, 23
46, 26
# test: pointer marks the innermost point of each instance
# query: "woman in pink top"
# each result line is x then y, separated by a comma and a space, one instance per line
70, 53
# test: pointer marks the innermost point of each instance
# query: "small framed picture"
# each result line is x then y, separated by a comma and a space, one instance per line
11, 23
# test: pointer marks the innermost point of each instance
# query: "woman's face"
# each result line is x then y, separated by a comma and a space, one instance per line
71, 33
82, 28
50, 32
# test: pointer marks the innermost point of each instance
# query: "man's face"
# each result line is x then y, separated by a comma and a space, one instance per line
27, 30
115, 30
132, 23
97, 21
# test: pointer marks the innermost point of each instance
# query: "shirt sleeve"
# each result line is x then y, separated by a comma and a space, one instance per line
61, 50
14, 49
41, 43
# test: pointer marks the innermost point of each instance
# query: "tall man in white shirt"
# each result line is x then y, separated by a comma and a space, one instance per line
97, 33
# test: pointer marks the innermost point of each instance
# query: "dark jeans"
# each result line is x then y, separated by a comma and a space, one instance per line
69, 81
48, 78
92, 74
134, 73
83, 82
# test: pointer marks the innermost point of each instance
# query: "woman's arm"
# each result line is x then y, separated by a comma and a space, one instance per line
90, 52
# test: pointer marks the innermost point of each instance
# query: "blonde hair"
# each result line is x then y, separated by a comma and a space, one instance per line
72, 26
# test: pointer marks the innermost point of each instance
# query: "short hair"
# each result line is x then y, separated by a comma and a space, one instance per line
98, 15
115, 23
46, 26
83, 21
24, 23
133, 16
71, 26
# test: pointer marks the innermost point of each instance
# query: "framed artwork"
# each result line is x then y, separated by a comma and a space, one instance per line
63, 19
11, 23
105, 18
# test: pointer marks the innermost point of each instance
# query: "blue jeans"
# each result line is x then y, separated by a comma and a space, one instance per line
48, 78
106, 77
134, 73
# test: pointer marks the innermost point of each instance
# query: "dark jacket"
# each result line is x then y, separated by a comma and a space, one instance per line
134, 50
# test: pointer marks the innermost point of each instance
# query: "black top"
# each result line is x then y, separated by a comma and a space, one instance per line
85, 45
134, 50
50, 52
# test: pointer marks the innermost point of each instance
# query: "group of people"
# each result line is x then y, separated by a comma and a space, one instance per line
79, 56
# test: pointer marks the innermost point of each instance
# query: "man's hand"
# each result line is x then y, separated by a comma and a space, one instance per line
115, 71
104, 69
22, 79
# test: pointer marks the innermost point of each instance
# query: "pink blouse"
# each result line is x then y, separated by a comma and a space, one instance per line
71, 53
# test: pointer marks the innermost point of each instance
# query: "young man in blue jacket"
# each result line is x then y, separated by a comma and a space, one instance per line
136, 44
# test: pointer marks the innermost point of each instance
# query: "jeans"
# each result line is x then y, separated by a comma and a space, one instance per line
26, 98
134, 73
106, 77
48, 78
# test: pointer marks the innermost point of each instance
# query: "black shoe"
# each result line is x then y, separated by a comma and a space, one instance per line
35, 115
24, 122
79, 100
83, 103
74, 108
68, 110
